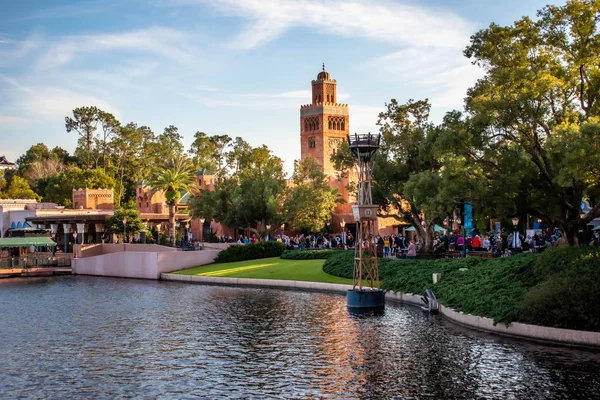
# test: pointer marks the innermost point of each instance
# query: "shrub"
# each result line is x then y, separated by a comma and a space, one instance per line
251, 251
568, 299
556, 288
307, 254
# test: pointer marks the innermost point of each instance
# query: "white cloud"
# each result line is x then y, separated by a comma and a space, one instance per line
167, 43
9, 120
54, 104
428, 41
399, 23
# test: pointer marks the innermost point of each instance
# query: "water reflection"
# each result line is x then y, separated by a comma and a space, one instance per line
99, 337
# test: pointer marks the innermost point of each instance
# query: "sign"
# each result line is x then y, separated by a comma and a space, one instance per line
364, 213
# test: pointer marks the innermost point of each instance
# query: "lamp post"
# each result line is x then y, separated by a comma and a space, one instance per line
515, 243
202, 232
268, 232
462, 232
124, 228
282, 230
343, 225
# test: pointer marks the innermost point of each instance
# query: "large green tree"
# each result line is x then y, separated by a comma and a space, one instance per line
95, 128
210, 152
132, 225
132, 147
251, 198
310, 200
539, 96
59, 188
18, 188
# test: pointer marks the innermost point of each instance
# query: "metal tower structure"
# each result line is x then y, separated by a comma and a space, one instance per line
365, 293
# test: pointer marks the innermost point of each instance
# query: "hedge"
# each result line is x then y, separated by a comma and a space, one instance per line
556, 288
251, 251
307, 254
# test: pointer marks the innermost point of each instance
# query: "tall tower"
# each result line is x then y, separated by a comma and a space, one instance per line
324, 124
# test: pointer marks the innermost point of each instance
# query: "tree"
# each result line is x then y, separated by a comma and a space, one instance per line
540, 95
59, 188
310, 201
39, 162
168, 145
175, 177
18, 188
86, 121
131, 147
251, 198
134, 224
210, 153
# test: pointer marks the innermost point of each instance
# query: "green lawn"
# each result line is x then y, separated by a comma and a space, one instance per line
269, 268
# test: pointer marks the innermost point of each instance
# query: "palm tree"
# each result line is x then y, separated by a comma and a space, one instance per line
176, 176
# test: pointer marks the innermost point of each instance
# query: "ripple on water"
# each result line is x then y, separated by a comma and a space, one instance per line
85, 337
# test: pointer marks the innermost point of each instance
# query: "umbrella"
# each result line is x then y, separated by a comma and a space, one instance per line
597, 228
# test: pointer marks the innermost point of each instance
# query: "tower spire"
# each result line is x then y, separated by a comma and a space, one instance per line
323, 66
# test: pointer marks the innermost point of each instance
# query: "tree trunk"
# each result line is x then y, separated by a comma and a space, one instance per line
172, 224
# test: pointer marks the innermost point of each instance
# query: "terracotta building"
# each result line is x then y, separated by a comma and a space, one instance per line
324, 125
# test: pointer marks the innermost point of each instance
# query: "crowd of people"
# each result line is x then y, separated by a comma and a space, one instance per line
500, 244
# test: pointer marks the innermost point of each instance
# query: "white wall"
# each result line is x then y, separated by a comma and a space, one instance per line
143, 265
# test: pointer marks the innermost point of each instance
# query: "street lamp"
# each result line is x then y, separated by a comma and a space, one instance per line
343, 225
282, 230
202, 232
124, 228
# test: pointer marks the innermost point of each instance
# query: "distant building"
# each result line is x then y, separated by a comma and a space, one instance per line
5, 164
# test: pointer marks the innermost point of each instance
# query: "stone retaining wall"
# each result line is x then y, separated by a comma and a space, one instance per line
567, 337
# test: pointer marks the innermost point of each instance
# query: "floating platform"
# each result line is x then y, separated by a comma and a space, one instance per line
365, 301
27, 272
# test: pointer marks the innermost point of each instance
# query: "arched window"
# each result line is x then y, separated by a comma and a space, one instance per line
343, 125
312, 143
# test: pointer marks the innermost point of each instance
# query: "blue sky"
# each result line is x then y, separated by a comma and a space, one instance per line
237, 67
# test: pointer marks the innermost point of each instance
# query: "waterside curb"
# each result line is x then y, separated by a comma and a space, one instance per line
567, 337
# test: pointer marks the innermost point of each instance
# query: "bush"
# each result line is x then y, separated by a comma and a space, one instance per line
569, 297
557, 288
307, 254
251, 251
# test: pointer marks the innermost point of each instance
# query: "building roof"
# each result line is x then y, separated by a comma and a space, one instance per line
26, 242
204, 171
4, 161
185, 199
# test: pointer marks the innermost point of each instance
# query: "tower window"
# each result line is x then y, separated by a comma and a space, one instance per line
312, 143
311, 124
337, 123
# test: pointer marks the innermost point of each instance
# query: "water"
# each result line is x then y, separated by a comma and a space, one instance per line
86, 337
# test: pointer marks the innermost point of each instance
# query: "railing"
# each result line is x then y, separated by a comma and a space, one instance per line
34, 262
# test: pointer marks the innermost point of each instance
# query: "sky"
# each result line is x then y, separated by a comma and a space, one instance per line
236, 67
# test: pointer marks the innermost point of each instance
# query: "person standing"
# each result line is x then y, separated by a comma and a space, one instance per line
412, 250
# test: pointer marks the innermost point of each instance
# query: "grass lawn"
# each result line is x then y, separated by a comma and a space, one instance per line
269, 268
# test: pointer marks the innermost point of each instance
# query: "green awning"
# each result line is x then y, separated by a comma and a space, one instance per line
437, 228
26, 242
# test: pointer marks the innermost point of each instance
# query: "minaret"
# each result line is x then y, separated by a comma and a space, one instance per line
324, 124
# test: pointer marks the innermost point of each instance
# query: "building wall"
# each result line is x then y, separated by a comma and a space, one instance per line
14, 211
150, 203
93, 199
